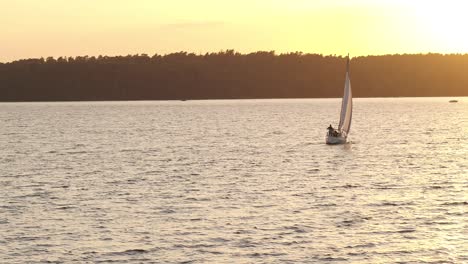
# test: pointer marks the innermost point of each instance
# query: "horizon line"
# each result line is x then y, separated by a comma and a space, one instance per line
235, 52
230, 99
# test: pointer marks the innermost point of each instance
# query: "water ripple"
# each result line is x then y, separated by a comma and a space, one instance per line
243, 181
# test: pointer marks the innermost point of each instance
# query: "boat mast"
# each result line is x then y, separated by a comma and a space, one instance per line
347, 65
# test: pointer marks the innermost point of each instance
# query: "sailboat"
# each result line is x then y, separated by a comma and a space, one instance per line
340, 135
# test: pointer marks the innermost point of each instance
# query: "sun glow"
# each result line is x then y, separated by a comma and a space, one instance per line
445, 24
113, 27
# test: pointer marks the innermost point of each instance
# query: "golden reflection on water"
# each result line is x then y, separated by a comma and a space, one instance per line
89, 182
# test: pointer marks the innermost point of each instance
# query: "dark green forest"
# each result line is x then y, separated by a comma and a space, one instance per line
228, 74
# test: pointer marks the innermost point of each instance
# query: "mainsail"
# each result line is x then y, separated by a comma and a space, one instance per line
346, 105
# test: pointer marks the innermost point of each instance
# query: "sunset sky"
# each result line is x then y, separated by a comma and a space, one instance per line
42, 28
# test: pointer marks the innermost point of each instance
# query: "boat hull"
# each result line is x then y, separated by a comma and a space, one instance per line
331, 140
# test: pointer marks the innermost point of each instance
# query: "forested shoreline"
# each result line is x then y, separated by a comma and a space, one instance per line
230, 75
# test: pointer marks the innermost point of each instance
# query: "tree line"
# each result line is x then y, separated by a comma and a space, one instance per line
230, 75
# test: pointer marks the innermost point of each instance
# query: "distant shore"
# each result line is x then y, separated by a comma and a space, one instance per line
230, 75
448, 98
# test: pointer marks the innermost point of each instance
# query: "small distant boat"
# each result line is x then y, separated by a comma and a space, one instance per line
340, 135
453, 101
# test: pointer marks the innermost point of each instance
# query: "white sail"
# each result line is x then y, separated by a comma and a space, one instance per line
346, 105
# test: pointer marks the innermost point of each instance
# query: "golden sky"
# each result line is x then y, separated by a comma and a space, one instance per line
41, 28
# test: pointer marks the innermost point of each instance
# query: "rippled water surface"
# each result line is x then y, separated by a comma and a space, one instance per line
241, 181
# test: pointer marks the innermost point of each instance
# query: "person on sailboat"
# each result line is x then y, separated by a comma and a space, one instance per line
330, 130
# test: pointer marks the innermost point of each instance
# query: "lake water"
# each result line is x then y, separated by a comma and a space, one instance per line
234, 181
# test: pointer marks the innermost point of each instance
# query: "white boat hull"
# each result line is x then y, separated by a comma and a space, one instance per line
331, 140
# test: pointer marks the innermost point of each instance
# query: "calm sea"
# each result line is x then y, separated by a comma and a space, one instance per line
234, 181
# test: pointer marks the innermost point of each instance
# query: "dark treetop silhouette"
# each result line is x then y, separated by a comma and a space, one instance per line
229, 74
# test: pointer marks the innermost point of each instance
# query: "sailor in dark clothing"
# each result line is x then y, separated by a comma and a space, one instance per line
330, 130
